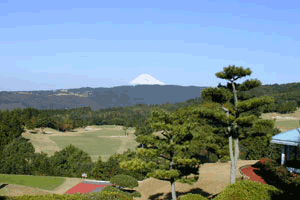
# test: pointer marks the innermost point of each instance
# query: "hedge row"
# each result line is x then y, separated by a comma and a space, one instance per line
241, 190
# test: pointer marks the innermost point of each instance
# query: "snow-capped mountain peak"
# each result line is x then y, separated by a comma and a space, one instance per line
146, 79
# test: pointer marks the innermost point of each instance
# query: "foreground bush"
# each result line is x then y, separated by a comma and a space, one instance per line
104, 195
192, 197
248, 190
126, 192
124, 181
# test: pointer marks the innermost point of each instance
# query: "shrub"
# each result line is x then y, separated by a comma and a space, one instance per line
225, 159
213, 158
136, 194
104, 195
248, 190
262, 160
269, 163
189, 180
191, 196
278, 174
124, 181
126, 193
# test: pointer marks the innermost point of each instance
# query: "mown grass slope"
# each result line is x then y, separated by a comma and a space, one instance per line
42, 182
95, 142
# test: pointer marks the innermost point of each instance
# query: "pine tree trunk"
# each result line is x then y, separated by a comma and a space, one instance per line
172, 179
236, 149
232, 167
173, 189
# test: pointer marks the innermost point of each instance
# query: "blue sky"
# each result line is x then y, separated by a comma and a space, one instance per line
47, 45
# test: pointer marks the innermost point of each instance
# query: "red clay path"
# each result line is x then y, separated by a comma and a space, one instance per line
248, 171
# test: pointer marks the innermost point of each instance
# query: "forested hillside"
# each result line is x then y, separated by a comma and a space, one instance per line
287, 96
98, 98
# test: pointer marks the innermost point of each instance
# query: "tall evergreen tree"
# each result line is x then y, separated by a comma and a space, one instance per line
241, 114
164, 152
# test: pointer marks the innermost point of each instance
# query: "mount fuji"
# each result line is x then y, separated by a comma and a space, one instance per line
144, 90
146, 79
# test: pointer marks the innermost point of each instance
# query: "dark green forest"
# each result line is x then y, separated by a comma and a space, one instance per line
287, 96
210, 145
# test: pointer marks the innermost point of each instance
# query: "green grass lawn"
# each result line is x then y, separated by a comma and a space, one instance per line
287, 124
105, 133
91, 143
41, 182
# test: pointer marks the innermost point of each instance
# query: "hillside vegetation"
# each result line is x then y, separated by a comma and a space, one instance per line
287, 96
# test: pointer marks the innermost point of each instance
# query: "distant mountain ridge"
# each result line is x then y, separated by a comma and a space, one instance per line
98, 98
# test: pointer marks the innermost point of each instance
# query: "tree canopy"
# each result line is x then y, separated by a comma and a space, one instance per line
242, 118
163, 153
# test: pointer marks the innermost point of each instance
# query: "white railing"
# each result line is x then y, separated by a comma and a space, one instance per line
293, 170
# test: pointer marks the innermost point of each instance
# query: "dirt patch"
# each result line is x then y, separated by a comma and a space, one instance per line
43, 143
213, 178
278, 116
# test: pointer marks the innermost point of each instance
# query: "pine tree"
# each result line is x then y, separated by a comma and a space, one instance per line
165, 152
242, 113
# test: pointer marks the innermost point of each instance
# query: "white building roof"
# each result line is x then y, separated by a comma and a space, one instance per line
291, 138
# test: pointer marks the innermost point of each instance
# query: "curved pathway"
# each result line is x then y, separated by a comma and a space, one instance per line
248, 172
